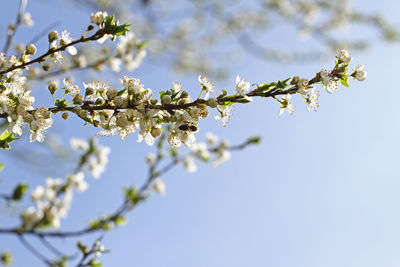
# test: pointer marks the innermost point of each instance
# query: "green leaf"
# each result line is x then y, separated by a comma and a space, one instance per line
112, 27
95, 263
283, 84
6, 138
344, 80
121, 92
243, 101
162, 93
173, 152
224, 93
266, 86
133, 195
143, 45
19, 191
6, 258
94, 224
1, 166
84, 249
254, 140
229, 103
120, 220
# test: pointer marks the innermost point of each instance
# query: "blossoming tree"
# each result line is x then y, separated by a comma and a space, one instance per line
168, 118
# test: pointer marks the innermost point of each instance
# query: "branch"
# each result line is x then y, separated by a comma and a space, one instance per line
100, 33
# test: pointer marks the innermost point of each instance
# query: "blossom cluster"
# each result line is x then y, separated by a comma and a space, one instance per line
52, 201
16, 101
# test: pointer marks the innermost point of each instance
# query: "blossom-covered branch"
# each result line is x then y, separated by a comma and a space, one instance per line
133, 107
51, 206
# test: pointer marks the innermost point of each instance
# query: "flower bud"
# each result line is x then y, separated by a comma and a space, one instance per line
184, 94
295, 80
45, 67
360, 74
212, 102
111, 93
344, 56
30, 49
52, 87
65, 115
28, 118
156, 132
119, 101
204, 112
166, 100
99, 101
121, 120
89, 91
78, 99
150, 158
53, 36
19, 48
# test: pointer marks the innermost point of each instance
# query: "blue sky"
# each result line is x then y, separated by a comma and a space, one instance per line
321, 189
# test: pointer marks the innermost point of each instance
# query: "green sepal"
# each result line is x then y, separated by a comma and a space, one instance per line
60, 103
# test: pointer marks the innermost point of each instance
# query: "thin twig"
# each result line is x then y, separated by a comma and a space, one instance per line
12, 29
44, 32
52, 248
33, 250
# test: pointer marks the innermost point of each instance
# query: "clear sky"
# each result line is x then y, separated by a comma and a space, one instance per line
321, 190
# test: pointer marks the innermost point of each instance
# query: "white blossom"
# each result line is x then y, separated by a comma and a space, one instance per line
312, 100
189, 164
65, 40
207, 86
212, 139
344, 56
328, 81
159, 186
242, 87
98, 17
360, 74
287, 104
